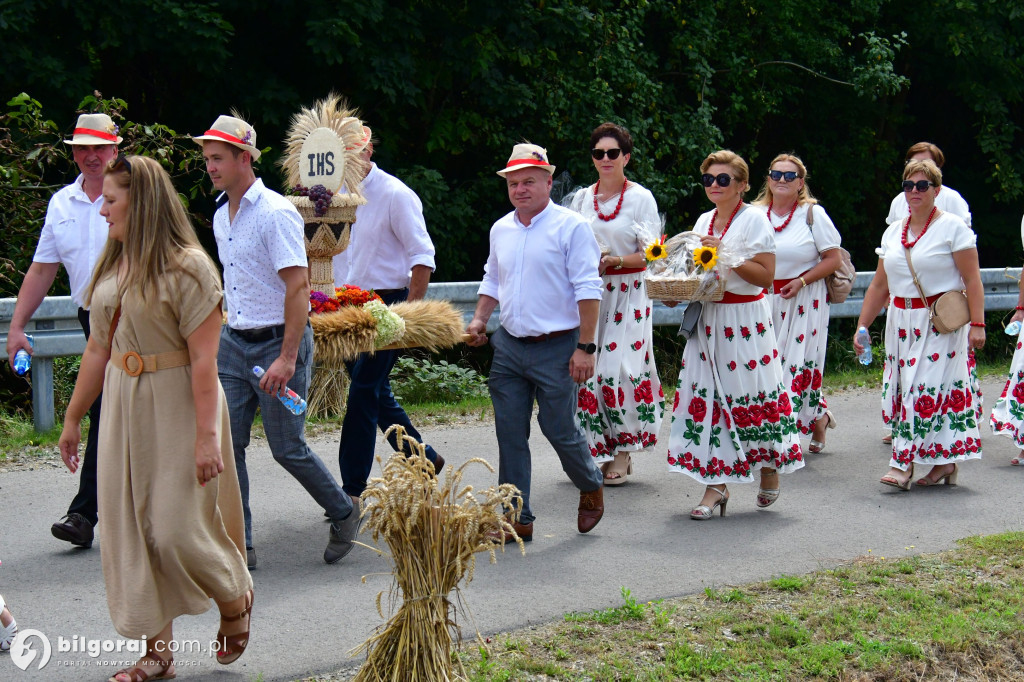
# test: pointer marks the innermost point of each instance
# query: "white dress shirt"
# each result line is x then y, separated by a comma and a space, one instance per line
388, 238
266, 236
539, 272
948, 200
74, 233
932, 255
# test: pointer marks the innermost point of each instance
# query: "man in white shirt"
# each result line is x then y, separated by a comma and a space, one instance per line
74, 235
266, 288
948, 199
391, 253
543, 271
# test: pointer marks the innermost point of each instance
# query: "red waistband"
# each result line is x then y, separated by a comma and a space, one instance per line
904, 303
623, 271
730, 297
779, 283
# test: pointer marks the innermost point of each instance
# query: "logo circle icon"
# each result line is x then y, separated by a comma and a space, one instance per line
22, 653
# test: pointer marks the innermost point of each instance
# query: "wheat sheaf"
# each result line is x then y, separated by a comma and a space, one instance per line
334, 113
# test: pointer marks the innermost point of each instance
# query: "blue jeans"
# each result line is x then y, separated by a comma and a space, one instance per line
285, 431
522, 373
371, 405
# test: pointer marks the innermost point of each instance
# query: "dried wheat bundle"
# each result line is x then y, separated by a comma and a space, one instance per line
429, 324
328, 391
434, 530
331, 112
342, 335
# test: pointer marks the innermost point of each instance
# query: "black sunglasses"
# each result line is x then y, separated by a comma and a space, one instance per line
122, 160
723, 179
920, 185
599, 154
777, 175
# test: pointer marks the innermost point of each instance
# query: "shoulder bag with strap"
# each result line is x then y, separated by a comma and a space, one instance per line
839, 283
949, 312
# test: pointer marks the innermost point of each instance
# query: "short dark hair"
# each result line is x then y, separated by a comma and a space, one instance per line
620, 134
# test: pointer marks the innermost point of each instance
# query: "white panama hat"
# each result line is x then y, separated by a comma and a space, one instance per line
95, 129
233, 131
527, 155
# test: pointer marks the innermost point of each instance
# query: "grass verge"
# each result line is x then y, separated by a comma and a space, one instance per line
956, 615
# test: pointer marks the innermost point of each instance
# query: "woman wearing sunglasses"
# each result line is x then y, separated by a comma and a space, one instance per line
927, 394
732, 416
621, 407
806, 252
170, 509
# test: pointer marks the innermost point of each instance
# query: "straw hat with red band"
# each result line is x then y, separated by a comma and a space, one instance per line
527, 155
94, 129
233, 131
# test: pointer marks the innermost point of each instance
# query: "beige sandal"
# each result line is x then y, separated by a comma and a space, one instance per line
620, 467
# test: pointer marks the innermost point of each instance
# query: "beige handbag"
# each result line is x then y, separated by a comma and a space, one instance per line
839, 283
950, 311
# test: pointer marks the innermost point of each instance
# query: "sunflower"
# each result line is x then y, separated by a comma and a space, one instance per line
705, 257
655, 252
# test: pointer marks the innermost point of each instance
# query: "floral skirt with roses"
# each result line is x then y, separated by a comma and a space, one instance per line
621, 407
732, 413
1008, 413
801, 327
927, 392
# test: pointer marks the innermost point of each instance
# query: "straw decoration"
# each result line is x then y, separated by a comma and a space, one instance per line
331, 112
433, 530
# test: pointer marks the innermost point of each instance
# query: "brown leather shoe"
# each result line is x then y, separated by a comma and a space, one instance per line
438, 465
591, 510
523, 530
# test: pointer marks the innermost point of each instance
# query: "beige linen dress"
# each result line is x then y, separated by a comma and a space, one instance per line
168, 545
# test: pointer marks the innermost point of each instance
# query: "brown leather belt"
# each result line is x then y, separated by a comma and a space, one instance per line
545, 337
260, 334
133, 364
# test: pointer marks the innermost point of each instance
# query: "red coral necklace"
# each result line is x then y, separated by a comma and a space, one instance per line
618, 206
792, 211
711, 227
906, 229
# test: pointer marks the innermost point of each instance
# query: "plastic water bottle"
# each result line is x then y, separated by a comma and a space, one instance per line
22, 359
864, 339
1013, 329
290, 399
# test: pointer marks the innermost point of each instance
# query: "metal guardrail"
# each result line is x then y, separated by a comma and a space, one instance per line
57, 333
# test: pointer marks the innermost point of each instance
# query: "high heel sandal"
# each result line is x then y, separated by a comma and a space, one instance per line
137, 673
889, 479
818, 446
703, 512
615, 467
233, 646
7, 632
949, 477
766, 496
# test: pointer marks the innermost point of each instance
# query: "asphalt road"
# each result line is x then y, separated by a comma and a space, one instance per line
308, 615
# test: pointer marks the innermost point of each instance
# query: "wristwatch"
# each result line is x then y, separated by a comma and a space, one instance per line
588, 348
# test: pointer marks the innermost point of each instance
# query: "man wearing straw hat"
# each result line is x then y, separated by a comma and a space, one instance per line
391, 253
73, 234
266, 288
542, 270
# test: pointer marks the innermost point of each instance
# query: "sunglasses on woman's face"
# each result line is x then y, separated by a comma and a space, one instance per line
920, 185
777, 175
599, 154
723, 179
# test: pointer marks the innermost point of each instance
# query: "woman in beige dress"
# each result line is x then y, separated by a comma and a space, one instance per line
170, 515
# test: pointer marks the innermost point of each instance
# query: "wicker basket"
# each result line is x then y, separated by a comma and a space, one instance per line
682, 289
326, 236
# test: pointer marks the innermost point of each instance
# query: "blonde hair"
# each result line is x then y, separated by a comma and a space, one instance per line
926, 166
731, 159
157, 232
804, 196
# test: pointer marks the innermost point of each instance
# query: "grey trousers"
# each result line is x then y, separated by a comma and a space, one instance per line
522, 373
286, 432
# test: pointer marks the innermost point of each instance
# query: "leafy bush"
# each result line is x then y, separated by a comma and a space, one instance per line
422, 381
